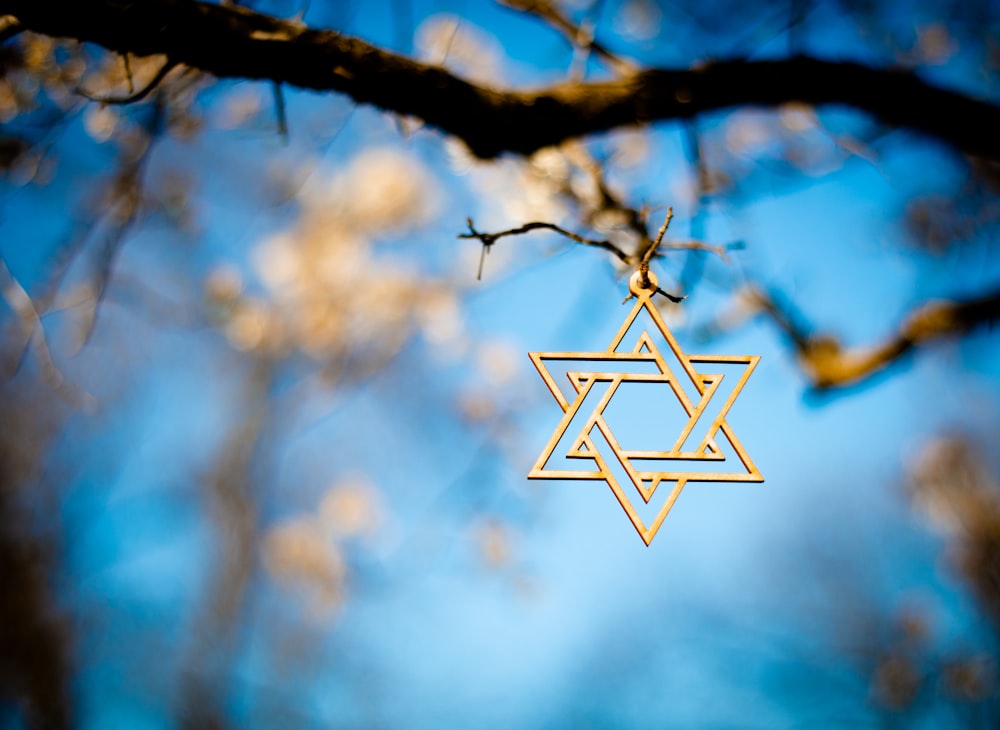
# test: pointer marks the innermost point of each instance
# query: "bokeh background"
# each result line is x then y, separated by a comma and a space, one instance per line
265, 435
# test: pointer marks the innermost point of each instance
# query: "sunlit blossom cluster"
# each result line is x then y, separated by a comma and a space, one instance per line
306, 552
326, 290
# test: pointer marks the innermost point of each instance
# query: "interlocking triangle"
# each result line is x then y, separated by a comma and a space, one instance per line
596, 380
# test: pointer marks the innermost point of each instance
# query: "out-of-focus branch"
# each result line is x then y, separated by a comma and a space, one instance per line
828, 364
578, 35
37, 642
9, 27
139, 95
234, 42
230, 495
608, 200
952, 483
128, 202
721, 251
33, 334
127, 68
280, 111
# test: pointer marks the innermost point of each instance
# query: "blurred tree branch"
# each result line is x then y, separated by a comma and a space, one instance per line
234, 42
134, 95
9, 27
36, 641
580, 36
829, 364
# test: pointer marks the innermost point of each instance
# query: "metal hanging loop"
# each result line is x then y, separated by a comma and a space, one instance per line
643, 283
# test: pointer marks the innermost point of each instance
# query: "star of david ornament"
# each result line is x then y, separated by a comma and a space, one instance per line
584, 445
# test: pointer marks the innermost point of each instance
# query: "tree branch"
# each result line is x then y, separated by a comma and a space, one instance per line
234, 42
488, 239
720, 251
609, 201
9, 27
33, 333
830, 365
651, 249
135, 96
578, 36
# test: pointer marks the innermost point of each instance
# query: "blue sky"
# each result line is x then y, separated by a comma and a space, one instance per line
734, 617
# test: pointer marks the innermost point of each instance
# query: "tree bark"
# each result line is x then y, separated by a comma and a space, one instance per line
234, 42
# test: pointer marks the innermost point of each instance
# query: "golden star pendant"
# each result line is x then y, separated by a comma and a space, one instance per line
581, 431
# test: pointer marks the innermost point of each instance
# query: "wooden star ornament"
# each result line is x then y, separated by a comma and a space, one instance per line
706, 443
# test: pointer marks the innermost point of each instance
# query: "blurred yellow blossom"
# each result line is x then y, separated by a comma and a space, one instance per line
224, 284
299, 553
493, 541
351, 508
935, 44
327, 290
100, 121
239, 107
498, 362
639, 20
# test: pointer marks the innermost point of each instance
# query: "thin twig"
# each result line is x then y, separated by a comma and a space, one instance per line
694, 265
644, 263
579, 36
651, 249
488, 239
139, 95
31, 327
127, 208
719, 251
482, 261
580, 156
448, 43
582, 50
127, 65
672, 297
279, 108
